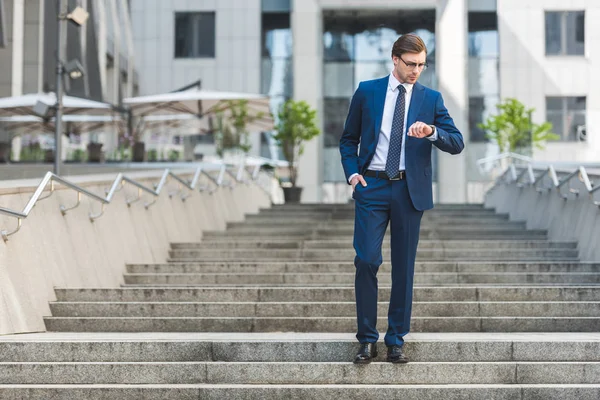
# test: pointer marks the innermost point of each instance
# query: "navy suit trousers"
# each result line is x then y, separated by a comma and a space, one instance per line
379, 203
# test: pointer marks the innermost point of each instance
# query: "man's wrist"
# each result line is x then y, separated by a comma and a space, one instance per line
352, 177
432, 131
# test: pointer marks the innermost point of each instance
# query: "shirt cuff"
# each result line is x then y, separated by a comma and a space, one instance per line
434, 135
352, 176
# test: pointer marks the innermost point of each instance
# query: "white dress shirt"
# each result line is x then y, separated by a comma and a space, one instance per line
383, 144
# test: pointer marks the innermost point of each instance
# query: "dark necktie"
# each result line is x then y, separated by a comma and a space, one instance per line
392, 164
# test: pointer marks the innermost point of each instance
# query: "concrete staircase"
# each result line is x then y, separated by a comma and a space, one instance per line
266, 310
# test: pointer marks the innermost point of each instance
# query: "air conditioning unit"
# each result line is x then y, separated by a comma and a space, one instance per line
581, 133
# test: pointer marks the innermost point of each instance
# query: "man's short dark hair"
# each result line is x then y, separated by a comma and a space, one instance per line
408, 43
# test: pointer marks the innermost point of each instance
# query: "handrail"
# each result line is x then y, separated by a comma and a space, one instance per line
500, 157
556, 183
117, 185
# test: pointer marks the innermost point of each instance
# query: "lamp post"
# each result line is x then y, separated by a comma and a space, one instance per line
78, 16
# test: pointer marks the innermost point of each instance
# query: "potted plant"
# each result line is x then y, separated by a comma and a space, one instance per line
5, 144
232, 118
296, 125
513, 130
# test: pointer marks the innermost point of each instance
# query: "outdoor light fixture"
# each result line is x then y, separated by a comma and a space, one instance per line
74, 69
78, 16
43, 110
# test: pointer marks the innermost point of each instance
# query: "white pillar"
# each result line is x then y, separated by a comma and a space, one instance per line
130, 50
17, 44
451, 64
100, 9
307, 32
116, 23
40, 77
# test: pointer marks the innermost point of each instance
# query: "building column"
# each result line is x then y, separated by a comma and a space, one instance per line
18, 32
306, 23
451, 61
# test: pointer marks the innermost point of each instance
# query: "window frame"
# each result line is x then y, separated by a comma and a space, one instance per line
213, 55
563, 30
564, 114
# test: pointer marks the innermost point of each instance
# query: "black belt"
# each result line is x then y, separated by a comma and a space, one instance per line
382, 175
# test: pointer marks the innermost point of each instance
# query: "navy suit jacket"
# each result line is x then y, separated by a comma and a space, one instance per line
363, 124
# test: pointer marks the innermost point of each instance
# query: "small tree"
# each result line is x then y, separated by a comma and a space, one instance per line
297, 124
513, 130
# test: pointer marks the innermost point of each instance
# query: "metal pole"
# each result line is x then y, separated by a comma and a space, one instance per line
62, 11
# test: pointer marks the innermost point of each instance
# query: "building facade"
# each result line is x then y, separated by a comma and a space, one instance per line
103, 46
479, 52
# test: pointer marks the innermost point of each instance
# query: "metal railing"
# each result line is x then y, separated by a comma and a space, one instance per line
516, 174
120, 181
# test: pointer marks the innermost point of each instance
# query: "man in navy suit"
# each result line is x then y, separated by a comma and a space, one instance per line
386, 154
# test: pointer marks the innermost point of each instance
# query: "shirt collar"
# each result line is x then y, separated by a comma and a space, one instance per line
393, 84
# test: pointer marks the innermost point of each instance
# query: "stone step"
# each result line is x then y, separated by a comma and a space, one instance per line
278, 294
290, 208
378, 373
349, 254
348, 235
320, 309
348, 267
340, 224
348, 229
293, 347
436, 278
217, 236
317, 324
349, 216
252, 243
315, 392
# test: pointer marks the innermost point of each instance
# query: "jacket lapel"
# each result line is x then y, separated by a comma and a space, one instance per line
415, 104
378, 103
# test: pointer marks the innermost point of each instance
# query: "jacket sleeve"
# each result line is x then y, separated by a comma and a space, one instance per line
350, 139
449, 138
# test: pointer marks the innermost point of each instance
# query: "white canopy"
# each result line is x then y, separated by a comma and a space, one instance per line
82, 123
23, 105
199, 104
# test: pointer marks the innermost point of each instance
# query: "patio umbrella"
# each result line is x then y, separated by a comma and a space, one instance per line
200, 104
23, 105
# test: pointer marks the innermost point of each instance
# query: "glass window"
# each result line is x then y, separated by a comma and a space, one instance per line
2, 25
335, 113
195, 35
567, 115
483, 34
276, 35
565, 33
357, 46
277, 68
480, 109
340, 79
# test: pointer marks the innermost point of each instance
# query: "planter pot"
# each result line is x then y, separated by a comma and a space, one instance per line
292, 194
4, 152
139, 151
49, 156
94, 152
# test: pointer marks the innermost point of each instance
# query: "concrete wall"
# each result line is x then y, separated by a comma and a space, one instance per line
529, 75
55, 251
576, 218
236, 66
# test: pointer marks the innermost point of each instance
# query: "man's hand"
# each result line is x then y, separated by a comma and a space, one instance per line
356, 180
420, 130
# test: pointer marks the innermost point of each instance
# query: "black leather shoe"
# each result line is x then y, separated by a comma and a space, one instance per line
366, 353
395, 355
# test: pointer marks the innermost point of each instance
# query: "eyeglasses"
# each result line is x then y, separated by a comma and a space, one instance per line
411, 65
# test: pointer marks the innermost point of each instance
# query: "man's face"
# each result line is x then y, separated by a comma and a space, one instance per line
408, 66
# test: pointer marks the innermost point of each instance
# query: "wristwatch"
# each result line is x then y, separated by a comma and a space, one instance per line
432, 130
